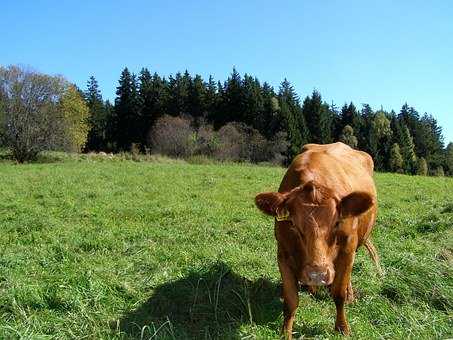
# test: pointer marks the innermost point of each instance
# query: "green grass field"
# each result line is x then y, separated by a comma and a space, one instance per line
121, 249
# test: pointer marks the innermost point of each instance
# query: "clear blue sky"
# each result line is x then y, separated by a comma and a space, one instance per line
377, 52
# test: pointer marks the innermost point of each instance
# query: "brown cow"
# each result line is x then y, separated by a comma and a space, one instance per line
325, 209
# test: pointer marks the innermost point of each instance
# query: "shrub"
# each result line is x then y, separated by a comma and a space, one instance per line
422, 167
173, 136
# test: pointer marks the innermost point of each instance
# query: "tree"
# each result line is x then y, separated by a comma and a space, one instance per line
408, 150
396, 160
98, 117
197, 98
294, 121
318, 118
232, 99
39, 112
75, 116
422, 167
347, 136
449, 158
380, 135
128, 127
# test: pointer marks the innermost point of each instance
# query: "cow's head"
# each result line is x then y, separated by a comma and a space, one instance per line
316, 214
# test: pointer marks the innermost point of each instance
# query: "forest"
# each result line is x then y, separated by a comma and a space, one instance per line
185, 116
195, 115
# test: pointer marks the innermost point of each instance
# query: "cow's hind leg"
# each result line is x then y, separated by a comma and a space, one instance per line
290, 298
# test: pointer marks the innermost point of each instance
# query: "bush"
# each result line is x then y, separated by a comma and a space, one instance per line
176, 137
422, 167
173, 136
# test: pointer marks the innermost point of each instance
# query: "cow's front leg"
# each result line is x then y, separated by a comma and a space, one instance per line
290, 296
340, 285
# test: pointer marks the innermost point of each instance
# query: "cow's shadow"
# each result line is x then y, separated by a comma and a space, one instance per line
211, 303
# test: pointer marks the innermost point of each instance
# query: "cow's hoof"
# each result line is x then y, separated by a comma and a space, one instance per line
343, 328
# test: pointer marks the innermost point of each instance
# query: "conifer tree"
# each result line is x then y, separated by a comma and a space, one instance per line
449, 158
319, 119
127, 112
294, 120
96, 139
197, 97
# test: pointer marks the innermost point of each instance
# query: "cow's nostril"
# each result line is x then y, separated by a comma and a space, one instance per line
318, 277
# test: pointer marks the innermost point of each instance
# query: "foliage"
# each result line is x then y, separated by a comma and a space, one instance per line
396, 160
347, 137
245, 101
75, 116
422, 167
40, 112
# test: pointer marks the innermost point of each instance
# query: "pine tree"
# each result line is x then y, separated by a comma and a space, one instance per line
347, 137
127, 112
98, 119
211, 100
178, 100
350, 116
253, 102
319, 119
270, 122
233, 98
449, 158
197, 98
396, 160
294, 121
146, 100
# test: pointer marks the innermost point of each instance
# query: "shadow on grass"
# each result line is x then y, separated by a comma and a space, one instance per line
211, 303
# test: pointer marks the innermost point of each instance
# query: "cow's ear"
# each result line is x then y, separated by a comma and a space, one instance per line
268, 202
355, 204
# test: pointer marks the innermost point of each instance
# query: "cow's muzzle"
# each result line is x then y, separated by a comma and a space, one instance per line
318, 275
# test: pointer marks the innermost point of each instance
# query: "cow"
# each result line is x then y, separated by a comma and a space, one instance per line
324, 211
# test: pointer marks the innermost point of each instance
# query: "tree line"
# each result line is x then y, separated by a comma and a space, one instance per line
185, 115
404, 141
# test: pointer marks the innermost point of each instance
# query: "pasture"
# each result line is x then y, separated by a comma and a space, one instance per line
94, 248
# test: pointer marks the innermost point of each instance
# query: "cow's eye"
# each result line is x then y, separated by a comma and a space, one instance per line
337, 225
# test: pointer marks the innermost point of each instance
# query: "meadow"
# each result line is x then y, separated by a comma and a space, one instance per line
92, 248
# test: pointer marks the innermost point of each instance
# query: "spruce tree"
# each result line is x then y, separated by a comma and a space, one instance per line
318, 118
96, 139
127, 112
211, 100
197, 98
449, 158
233, 98
178, 99
294, 120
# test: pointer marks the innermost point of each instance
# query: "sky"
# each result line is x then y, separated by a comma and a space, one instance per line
383, 53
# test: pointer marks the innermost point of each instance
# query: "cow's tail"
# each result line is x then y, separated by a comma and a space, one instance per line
374, 256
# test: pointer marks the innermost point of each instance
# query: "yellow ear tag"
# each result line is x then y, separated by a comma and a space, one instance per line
282, 215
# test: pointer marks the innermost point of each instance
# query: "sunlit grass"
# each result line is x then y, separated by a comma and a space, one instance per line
101, 248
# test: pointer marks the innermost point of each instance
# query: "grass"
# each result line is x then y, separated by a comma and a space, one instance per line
94, 248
